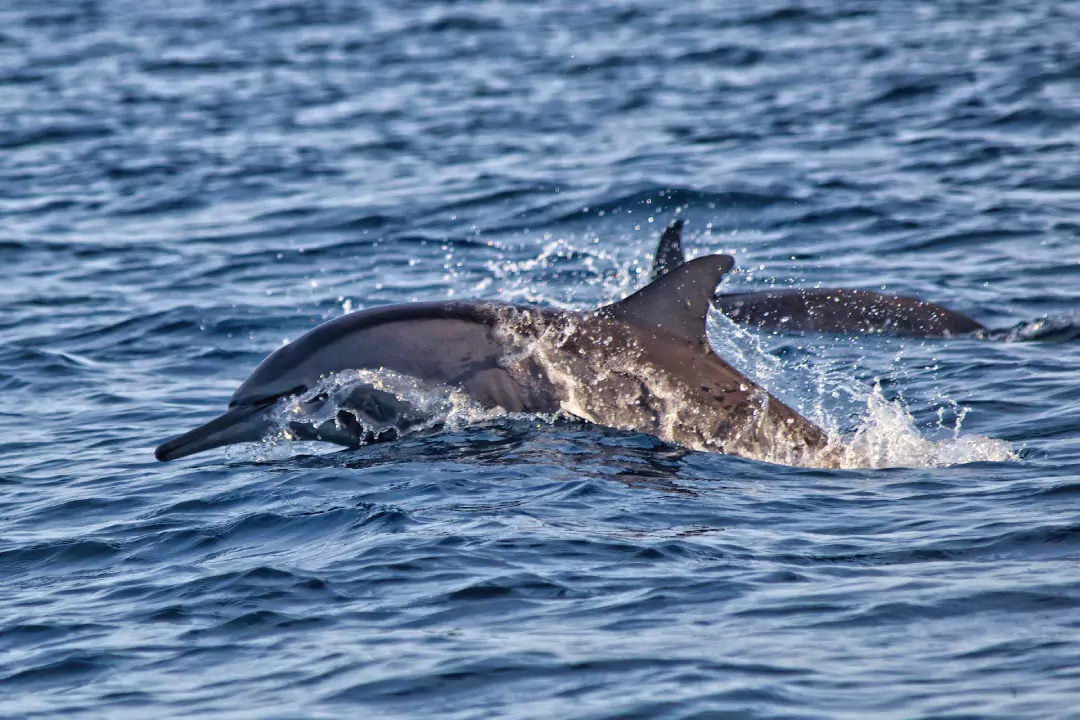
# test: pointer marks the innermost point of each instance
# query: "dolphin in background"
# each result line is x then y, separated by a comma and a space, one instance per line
824, 310
642, 364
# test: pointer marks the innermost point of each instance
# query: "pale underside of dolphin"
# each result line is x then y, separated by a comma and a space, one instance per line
643, 364
824, 310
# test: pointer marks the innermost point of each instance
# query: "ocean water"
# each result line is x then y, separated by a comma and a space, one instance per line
186, 185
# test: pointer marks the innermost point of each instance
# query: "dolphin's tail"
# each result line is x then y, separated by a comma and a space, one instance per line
240, 424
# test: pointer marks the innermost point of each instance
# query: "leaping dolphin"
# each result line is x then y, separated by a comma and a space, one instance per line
824, 310
643, 364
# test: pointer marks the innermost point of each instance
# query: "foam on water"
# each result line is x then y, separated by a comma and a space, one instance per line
1057, 328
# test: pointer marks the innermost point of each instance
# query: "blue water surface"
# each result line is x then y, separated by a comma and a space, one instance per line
186, 185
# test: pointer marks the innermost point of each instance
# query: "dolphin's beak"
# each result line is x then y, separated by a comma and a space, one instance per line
240, 424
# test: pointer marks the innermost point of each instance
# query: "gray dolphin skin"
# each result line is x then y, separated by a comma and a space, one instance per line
824, 310
643, 364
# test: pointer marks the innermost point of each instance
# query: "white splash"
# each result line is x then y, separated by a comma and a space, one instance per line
438, 405
866, 429
887, 436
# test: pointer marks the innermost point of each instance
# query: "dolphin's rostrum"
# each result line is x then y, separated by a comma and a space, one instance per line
642, 364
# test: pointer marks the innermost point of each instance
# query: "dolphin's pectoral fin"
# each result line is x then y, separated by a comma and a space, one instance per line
669, 253
377, 408
678, 302
362, 414
344, 429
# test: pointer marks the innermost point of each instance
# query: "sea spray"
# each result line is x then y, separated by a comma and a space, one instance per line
866, 429
432, 407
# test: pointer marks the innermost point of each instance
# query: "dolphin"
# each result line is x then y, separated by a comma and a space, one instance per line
824, 310
642, 364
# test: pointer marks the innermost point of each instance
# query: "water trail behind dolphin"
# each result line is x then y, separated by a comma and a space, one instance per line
866, 429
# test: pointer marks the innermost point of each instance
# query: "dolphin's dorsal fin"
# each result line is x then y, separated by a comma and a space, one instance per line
669, 253
678, 302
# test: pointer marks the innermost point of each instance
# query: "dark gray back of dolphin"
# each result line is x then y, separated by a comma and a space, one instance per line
824, 310
445, 342
839, 311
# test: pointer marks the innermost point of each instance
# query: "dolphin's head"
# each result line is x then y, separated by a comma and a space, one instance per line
431, 348
290, 370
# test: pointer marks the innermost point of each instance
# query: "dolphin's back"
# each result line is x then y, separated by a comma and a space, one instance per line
449, 343
837, 310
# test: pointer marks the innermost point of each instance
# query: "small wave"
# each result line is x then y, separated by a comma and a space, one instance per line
798, 15
53, 134
726, 56
196, 65
72, 668
59, 556
1062, 328
292, 15
966, 239
658, 200
464, 24
157, 202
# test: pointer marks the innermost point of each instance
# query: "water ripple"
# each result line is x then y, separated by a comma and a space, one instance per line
184, 188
